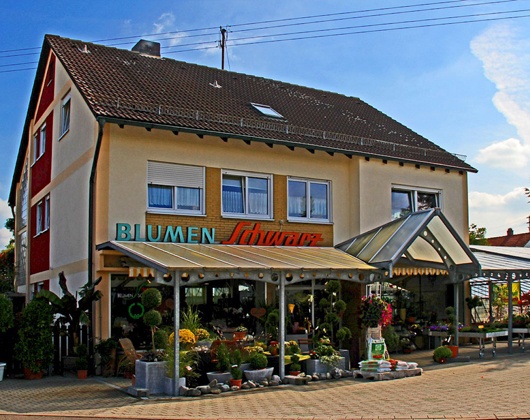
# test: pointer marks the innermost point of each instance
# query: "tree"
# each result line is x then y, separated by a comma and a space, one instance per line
72, 311
477, 236
7, 261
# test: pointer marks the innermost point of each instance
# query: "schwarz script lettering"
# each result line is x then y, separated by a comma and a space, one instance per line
255, 236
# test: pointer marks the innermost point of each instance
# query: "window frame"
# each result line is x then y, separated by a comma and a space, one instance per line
413, 194
66, 103
175, 193
42, 216
39, 143
246, 214
308, 183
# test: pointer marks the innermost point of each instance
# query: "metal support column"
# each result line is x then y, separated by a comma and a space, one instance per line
176, 329
281, 363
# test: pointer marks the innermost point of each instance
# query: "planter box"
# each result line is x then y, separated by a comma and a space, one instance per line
222, 377
151, 376
2, 368
169, 386
259, 374
316, 366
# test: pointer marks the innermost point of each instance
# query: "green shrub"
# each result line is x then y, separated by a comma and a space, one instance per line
151, 298
161, 339
391, 339
34, 347
223, 359
7, 318
442, 352
258, 361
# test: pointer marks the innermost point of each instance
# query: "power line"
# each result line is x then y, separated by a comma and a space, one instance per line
135, 37
205, 45
372, 25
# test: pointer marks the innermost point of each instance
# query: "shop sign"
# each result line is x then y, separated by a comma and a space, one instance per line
190, 235
255, 236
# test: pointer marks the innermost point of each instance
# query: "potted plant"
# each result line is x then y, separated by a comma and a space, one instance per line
152, 298
107, 352
7, 320
441, 354
223, 365
259, 370
34, 347
235, 370
240, 333
295, 367
81, 362
407, 346
451, 331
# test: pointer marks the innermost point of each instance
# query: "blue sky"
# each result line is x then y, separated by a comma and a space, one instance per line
466, 87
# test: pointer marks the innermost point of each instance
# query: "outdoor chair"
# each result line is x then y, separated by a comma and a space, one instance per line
128, 360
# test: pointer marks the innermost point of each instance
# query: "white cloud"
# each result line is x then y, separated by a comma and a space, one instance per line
506, 154
165, 24
498, 212
505, 57
5, 213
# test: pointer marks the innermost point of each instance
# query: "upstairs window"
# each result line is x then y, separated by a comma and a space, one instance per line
42, 224
247, 195
175, 188
65, 115
406, 201
309, 200
39, 143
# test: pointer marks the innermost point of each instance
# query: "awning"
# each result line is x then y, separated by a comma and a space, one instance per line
420, 241
501, 262
198, 263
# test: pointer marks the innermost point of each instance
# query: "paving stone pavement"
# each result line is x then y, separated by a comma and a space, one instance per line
488, 388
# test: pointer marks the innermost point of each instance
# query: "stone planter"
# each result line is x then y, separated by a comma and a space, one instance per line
259, 374
222, 377
151, 376
316, 366
2, 367
169, 385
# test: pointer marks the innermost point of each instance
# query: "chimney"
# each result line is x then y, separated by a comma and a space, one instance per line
147, 47
509, 232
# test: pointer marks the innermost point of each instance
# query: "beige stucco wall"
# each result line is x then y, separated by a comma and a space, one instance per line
376, 180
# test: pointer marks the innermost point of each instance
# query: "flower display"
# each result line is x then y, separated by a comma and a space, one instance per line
202, 334
375, 312
186, 337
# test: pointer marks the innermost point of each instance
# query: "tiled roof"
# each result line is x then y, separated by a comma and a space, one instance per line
517, 240
123, 84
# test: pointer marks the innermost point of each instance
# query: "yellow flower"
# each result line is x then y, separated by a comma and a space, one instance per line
202, 334
185, 337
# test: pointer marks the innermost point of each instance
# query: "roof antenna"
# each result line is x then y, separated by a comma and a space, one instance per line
222, 44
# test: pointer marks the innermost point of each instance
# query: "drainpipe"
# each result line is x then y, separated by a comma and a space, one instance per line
91, 192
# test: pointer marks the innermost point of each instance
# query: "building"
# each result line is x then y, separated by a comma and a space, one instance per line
125, 153
511, 239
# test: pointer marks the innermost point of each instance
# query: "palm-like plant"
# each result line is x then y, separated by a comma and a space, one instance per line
71, 310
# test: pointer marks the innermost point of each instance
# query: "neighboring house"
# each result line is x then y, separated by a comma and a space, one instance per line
130, 146
511, 239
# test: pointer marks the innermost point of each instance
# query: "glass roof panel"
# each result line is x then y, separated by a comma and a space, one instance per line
446, 239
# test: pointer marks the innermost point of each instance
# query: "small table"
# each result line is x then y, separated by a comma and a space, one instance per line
521, 333
437, 337
482, 336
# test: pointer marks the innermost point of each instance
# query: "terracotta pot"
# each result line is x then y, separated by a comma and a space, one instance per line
240, 335
82, 374
294, 372
454, 350
236, 382
442, 360
28, 374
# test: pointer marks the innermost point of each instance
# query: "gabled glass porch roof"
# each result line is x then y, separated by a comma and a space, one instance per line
423, 241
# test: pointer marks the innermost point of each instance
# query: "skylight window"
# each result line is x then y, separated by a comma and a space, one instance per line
267, 110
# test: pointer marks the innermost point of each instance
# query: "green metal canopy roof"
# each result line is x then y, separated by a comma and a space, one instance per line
423, 240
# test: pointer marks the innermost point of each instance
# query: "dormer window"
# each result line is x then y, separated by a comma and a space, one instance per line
267, 110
